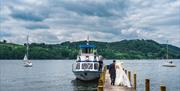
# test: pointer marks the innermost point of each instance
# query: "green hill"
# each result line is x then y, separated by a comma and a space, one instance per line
125, 49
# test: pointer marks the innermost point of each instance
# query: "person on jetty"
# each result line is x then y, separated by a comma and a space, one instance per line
100, 63
112, 72
121, 77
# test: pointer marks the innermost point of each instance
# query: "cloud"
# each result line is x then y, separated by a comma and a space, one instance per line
4, 34
36, 26
43, 36
27, 13
27, 16
92, 8
55, 21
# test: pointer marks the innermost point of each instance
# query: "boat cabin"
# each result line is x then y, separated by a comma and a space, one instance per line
87, 49
87, 53
87, 60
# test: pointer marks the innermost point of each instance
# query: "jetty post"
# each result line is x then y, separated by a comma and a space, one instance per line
101, 81
147, 85
100, 85
135, 81
163, 88
129, 75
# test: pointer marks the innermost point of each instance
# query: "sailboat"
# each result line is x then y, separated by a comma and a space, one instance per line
27, 62
168, 63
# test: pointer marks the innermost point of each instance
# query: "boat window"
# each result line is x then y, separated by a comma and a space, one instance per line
91, 66
84, 66
87, 66
87, 50
78, 66
96, 66
95, 58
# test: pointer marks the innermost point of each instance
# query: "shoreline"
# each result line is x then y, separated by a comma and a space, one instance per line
104, 59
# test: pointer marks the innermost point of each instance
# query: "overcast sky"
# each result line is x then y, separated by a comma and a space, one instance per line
56, 21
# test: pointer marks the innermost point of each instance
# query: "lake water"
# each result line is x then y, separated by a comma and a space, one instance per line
56, 75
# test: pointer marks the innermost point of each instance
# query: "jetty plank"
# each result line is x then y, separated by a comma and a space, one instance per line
109, 87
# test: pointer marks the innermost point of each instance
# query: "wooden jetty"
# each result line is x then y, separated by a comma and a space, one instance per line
105, 83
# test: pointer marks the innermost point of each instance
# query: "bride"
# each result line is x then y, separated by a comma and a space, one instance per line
121, 77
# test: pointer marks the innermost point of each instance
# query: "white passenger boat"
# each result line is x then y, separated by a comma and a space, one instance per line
88, 65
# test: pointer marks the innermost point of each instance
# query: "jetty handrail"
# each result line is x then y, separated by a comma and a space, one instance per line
147, 82
102, 85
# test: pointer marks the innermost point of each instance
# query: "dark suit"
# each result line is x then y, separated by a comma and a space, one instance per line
112, 72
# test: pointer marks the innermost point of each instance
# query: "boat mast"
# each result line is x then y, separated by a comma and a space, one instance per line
27, 46
167, 50
87, 40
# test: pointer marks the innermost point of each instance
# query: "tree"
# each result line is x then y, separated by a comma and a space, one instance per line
4, 41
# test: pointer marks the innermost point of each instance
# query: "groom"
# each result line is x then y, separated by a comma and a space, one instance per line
112, 72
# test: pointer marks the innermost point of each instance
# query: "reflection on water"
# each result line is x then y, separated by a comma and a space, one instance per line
84, 86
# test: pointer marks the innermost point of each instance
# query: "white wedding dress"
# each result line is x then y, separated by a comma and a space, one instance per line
121, 77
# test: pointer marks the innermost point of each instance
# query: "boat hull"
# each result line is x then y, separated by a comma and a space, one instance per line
169, 65
87, 75
28, 65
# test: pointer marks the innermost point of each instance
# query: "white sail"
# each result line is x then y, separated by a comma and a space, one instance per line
25, 57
